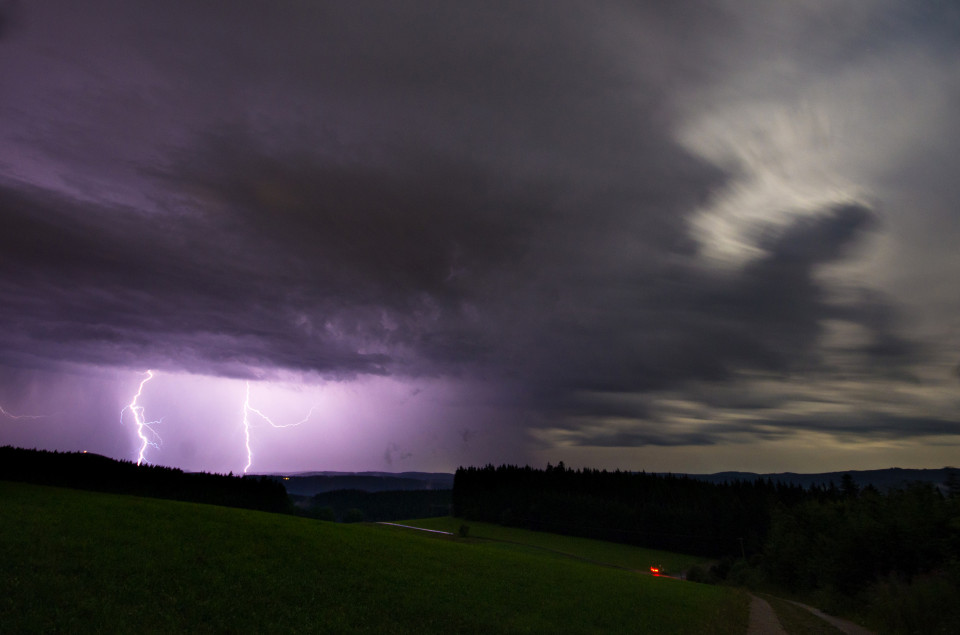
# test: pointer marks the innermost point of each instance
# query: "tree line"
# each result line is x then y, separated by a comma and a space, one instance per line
81, 470
675, 513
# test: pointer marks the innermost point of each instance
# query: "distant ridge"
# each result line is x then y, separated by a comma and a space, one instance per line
312, 483
416, 475
883, 480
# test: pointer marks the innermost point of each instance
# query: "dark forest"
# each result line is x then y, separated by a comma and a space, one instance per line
894, 553
81, 470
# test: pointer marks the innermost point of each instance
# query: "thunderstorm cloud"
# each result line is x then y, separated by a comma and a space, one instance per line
580, 230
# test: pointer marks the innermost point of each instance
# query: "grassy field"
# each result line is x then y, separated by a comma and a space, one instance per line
613, 554
73, 561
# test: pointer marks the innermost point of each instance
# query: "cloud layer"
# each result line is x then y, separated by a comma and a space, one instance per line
601, 211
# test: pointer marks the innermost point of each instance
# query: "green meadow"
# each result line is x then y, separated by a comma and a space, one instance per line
596, 551
76, 561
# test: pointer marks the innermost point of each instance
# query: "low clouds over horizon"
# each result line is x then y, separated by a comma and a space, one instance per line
611, 228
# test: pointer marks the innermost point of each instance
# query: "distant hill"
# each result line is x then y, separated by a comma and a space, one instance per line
884, 480
40, 466
312, 483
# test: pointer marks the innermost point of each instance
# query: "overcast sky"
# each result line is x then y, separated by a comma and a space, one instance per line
684, 236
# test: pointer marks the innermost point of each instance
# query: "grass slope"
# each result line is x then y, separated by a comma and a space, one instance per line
610, 553
74, 561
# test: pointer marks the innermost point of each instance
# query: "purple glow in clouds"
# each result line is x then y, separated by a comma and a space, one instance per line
293, 423
13, 416
247, 424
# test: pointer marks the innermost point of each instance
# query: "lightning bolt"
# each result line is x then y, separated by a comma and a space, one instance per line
143, 426
10, 415
247, 424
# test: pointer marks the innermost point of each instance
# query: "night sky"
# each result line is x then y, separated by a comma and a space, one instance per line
672, 236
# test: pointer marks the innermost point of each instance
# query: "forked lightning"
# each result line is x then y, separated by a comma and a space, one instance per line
247, 410
145, 431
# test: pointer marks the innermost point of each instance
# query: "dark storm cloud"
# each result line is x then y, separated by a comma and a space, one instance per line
878, 426
641, 438
686, 323
399, 284
9, 14
852, 427
466, 190
109, 286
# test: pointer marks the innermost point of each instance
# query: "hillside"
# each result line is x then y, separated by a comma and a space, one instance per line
83, 561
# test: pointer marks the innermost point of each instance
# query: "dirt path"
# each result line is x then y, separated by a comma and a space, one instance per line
763, 620
846, 626
432, 531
